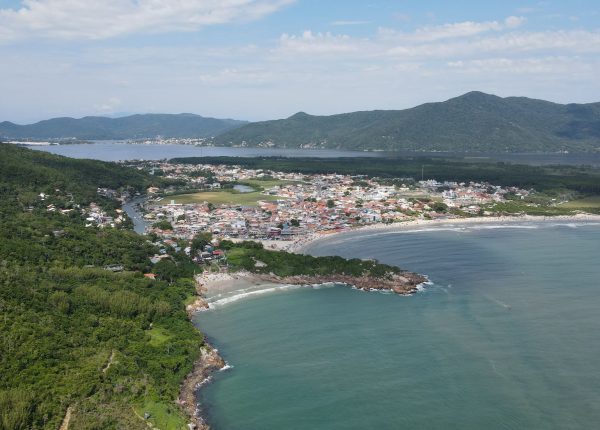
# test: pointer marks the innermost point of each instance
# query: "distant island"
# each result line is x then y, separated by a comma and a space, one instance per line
472, 123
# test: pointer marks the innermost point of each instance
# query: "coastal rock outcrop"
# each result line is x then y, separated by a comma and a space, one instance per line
403, 283
208, 362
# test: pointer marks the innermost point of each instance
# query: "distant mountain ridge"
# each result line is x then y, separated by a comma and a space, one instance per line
185, 125
473, 122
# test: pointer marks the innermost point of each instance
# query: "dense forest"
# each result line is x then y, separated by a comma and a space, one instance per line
245, 255
473, 122
109, 347
582, 179
25, 173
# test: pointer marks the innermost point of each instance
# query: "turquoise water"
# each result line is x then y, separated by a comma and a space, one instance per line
507, 338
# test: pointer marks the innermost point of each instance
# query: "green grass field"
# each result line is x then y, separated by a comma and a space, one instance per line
222, 198
162, 415
158, 336
584, 203
269, 183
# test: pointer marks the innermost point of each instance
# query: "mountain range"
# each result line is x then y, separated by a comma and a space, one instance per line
128, 127
473, 122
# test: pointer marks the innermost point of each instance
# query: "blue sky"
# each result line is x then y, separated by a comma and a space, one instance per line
264, 59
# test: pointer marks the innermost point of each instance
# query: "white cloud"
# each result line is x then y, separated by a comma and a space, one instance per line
316, 72
76, 19
318, 43
465, 39
451, 30
521, 66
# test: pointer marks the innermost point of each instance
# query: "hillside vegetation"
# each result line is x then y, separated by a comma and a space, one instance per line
474, 122
74, 336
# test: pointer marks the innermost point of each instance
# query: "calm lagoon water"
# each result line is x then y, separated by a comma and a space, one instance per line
243, 188
116, 151
507, 338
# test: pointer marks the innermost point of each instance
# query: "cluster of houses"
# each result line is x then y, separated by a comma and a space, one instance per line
297, 204
94, 215
172, 141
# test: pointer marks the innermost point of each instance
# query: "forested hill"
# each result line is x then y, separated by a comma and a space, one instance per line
24, 173
183, 125
473, 122
105, 346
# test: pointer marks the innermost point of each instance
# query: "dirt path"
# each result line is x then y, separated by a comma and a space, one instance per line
65, 422
110, 361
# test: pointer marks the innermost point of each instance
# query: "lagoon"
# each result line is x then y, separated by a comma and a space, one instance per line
122, 151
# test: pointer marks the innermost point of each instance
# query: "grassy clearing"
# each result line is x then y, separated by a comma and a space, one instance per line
516, 207
269, 183
158, 336
585, 203
163, 416
189, 300
223, 198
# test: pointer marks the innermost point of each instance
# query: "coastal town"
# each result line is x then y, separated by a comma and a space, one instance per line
238, 203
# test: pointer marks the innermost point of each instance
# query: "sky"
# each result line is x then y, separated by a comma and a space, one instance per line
268, 59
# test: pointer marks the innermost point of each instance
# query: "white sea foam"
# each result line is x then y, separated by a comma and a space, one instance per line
504, 226
226, 367
205, 381
498, 302
324, 285
246, 294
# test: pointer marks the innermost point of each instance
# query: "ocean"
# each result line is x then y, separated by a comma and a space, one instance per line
506, 337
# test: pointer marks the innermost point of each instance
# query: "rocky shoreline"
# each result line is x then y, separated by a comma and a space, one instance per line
403, 283
209, 361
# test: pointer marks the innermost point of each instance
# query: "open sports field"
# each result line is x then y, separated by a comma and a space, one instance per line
267, 183
222, 197
584, 203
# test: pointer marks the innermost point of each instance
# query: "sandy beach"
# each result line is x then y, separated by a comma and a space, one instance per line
213, 284
300, 245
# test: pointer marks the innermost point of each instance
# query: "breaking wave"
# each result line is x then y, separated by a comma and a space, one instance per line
247, 293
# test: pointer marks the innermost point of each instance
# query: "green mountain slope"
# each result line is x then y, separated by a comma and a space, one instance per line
73, 336
474, 122
129, 127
